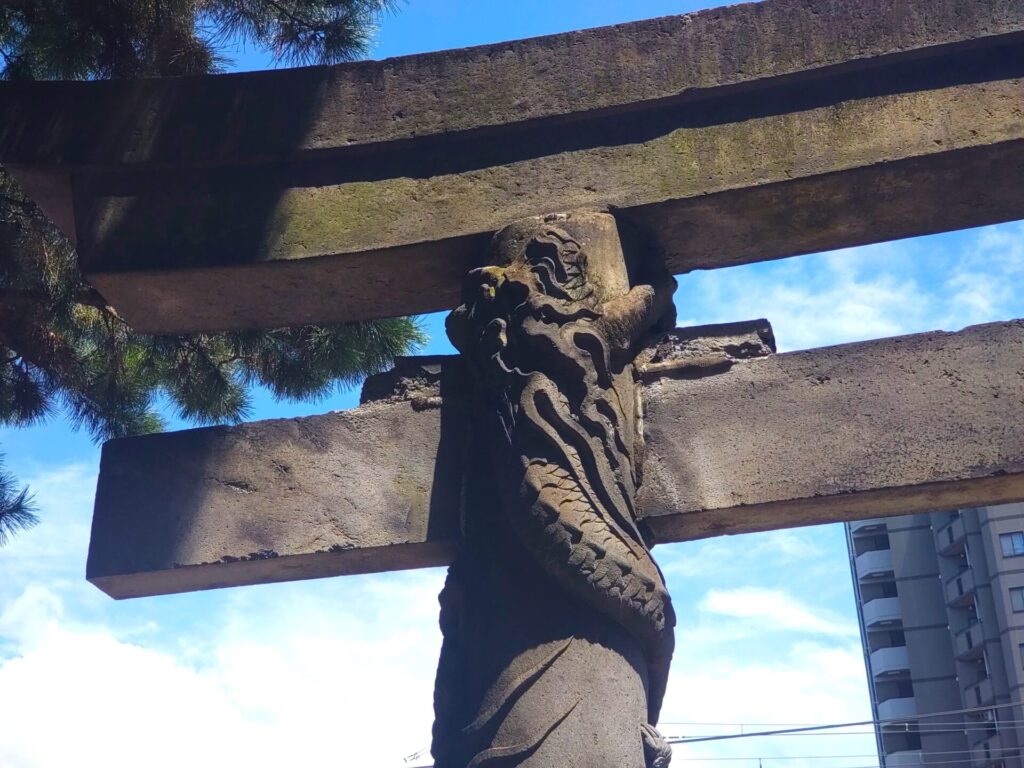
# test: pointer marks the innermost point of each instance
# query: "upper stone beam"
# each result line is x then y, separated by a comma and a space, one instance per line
330, 194
285, 113
878, 428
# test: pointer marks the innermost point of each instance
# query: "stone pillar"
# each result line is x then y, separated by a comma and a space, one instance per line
557, 625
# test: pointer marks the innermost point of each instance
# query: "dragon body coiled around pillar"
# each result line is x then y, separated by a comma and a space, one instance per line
552, 366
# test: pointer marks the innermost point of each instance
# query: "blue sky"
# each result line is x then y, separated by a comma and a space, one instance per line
340, 671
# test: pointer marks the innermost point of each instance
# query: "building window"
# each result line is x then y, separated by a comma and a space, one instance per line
1017, 599
1022, 654
1012, 543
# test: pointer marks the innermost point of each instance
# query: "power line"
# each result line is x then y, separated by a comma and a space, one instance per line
779, 757
997, 753
671, 739
943, 753
809, 730
1007, 752
737, 725
833, 726
953, 725
957, 724
939, 728
958, 761
787, 725
955, 728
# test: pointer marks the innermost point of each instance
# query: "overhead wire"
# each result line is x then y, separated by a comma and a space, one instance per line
825, 734
802, 729
693, 738
897, 727
789, 725
940, 753
833, 726
784, 757
959, 761
1007, 752
913, 717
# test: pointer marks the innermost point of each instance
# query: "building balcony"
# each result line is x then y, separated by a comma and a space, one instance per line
904, 759
897, 709
871, 525
960, 589
882, 613
979, 695
990, 751
877, 562
978, 732
887, 662
951, 539
969, 643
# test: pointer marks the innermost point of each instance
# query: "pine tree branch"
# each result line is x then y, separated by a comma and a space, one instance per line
16, 514
30, 298
296, 19
70, 345
27, 206
23, 330
17, 509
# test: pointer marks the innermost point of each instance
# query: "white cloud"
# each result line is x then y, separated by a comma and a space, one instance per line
76, 696
711, 693
56, 549
815, 301
984, 284
333, 671
337, 671
284, 678
757, 659
775, 610
717, 558
868, 292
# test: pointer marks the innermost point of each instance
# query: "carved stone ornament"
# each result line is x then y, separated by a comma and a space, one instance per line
558, 629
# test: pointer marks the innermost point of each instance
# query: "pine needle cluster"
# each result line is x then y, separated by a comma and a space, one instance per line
62, 348
17, 511
98, 39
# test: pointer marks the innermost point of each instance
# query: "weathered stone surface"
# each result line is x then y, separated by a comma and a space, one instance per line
244, 251
894, 426
554, 605
915, 423
733, 135
351, 492
285, 113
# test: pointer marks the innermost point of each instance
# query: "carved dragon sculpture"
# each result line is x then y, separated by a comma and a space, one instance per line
553, 364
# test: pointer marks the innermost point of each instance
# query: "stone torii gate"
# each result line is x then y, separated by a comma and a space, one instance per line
577, 426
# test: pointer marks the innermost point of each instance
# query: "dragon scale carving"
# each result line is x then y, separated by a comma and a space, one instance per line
551, 359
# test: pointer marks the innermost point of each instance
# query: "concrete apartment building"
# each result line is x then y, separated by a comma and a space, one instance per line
940, 599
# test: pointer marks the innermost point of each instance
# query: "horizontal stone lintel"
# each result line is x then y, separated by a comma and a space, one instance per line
245, 249
283, 114
738, 440
739, 134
